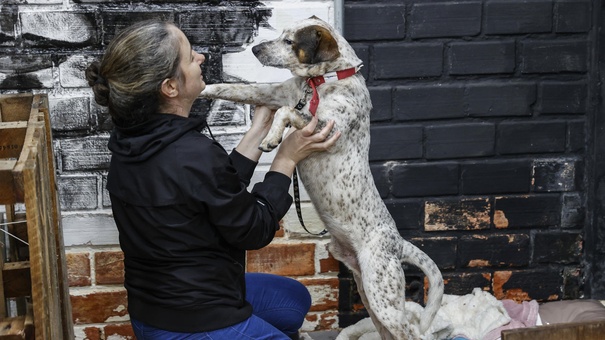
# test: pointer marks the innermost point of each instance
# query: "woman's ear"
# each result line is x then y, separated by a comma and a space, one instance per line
169, 88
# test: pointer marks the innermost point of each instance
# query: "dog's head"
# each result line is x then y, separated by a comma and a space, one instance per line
309, 48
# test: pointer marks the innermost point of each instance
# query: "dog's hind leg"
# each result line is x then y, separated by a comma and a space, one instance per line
284, 116
346, 256
385, 334
383, 282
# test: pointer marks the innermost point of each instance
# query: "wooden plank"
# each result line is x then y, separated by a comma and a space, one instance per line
41, 104
568, 331
16, 107
7, 189
16, 279
16, 250
19, 250
35, 184
11, 337
12, 135
2, 297
33, 133
38, 253
40, 196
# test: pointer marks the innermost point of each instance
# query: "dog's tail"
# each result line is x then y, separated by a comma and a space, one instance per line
413, 255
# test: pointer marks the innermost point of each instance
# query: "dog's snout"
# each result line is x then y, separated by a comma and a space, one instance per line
256, 49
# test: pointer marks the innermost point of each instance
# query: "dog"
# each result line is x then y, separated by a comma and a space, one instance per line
326, 83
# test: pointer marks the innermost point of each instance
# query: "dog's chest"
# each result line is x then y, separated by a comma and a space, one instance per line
329, 100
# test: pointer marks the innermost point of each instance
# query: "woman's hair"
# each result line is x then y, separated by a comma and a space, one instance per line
128, 78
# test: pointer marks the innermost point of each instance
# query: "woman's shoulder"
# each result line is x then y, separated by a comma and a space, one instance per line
197, 148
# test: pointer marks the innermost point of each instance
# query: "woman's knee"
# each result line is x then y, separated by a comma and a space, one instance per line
281, 301
283, 291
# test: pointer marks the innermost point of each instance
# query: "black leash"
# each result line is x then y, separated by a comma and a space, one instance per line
297, 205
210, 132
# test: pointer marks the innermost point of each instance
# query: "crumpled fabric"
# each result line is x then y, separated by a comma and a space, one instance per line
522, 315
475, 316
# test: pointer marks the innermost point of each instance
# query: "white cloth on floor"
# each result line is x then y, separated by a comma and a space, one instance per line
471, 316
474, 315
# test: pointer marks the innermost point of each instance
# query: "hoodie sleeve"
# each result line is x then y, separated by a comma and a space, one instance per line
246, 220
244, 166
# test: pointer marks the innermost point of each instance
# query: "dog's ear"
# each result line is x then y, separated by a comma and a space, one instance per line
315, 44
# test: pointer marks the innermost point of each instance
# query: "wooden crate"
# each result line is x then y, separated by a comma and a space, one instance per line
566, 331
27, 176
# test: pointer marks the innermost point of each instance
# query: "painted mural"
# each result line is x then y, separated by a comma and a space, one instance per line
46, 46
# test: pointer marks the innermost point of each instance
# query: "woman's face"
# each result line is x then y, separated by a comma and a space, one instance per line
192, 82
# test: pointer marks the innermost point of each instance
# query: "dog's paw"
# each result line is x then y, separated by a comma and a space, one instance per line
265, 148
268, 145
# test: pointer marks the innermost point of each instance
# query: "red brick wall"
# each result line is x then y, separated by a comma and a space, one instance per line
99, 302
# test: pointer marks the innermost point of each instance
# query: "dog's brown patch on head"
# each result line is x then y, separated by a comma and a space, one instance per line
315, 44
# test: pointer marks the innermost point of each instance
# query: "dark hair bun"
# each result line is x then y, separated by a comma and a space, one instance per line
98, 83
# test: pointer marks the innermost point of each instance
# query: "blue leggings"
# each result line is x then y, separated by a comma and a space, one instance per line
279, 308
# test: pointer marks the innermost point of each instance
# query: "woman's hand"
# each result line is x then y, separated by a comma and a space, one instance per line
301, 143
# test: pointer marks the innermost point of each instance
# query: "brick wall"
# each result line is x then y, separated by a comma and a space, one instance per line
479, 139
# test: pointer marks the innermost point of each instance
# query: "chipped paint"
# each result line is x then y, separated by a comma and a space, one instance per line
500, 278
324, 296
466, 214
516, 294
120, 308
323, 321
479, 263
554, 175
116, 318
118, 337
500, 220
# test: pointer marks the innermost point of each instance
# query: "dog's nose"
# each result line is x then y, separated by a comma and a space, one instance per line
256, 49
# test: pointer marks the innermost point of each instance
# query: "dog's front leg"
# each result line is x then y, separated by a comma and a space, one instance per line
273, 96
283, 117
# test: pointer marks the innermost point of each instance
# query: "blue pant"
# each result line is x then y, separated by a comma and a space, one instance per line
279, 308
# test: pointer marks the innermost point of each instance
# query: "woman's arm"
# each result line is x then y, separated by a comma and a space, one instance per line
261, 124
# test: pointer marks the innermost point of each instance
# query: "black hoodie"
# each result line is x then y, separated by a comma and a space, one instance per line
185, 219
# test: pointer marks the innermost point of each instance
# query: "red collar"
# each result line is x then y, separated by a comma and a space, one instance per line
327, 78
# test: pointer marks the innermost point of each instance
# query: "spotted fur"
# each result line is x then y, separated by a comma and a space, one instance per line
339, 182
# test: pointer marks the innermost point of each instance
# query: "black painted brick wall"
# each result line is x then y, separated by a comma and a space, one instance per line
479, 138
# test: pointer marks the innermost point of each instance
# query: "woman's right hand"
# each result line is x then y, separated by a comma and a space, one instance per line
299, 144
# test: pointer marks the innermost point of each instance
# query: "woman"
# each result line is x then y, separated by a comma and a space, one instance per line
181, 204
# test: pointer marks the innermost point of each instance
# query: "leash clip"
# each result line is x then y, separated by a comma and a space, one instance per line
303, 101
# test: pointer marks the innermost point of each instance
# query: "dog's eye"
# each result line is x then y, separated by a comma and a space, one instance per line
288, 41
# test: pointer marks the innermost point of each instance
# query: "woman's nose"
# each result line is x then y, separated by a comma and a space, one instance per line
201, 58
